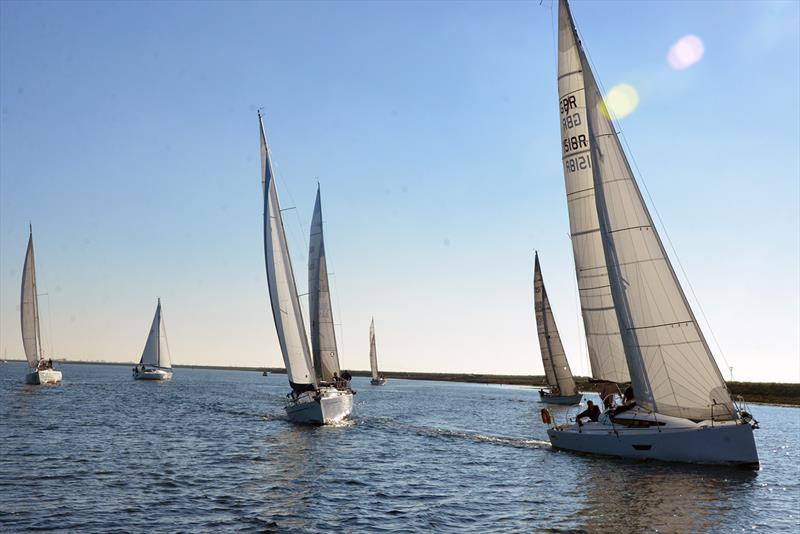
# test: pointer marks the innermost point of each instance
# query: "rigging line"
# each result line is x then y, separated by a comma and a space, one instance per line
621, 134
50, 324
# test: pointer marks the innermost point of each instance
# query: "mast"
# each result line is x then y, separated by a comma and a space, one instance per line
286, 311
29, 308
671, 366
323, 333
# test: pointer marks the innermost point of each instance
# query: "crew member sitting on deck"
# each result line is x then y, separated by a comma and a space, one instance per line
591, 411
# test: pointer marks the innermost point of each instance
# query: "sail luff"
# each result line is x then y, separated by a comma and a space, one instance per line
373, 351
603, 338
29, 308
323, 333
554, 357
672, 369
286, 311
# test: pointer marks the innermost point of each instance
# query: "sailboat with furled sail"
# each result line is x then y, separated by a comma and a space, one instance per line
311, 400
556, 366
41, 370
377, 378
155, 363
682, 409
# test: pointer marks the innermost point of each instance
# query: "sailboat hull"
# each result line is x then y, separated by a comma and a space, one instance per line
43, 376
670, 439
327, 406
152, 374
563, 400
377, 381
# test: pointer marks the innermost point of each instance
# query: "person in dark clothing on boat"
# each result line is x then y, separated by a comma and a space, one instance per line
50, 363
627, 397
591, 411
607, 390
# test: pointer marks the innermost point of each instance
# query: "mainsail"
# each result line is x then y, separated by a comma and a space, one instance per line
323, 335
156, 349
373, 351
671, 366
29, 309
606, 353
280, 277
556, 366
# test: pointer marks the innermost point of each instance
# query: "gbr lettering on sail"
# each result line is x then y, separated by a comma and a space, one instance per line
574, 132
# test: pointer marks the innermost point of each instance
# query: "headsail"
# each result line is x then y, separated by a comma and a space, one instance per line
556, 366
323, 335
671, 367
280, 277
606, 353
29, 309
156, 349
373, 351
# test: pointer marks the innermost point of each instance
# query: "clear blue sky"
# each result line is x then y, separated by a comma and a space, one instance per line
128, 137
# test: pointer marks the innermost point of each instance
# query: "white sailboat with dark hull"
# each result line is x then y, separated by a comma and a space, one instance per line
377, 378
155, 363
312, 399
683, 411
41, 371
562, 389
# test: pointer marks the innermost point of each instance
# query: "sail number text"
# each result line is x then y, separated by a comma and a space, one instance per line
578, 163
576, 142
570, 121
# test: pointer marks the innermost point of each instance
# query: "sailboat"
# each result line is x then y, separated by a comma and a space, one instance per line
377, 378
312, 399
556, 367
631, 296
155, 363
41, 370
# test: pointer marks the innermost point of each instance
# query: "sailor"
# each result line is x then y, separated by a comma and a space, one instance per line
627, 397
556, 391
591, 411
607, 394
50, 363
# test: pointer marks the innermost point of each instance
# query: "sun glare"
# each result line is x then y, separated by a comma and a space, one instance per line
620, 101
687, 51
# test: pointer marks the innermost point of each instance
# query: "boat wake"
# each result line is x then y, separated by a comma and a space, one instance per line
483, 438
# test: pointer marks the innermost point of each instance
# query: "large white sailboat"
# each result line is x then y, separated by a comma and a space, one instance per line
562, 389
377, 378
41, 371
155, 363
311, 400
631, 296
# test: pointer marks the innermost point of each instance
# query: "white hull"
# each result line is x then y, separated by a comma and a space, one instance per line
43, 376
152, 374
328, 405
660, 438
377, 381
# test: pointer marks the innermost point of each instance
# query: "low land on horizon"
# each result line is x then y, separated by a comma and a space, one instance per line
760, 392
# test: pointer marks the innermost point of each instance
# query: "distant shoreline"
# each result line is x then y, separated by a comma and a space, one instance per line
757, 392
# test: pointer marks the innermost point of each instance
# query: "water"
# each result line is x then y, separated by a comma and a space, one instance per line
211, 451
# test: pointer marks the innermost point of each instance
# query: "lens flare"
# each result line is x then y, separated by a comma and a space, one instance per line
620, 101
687, 51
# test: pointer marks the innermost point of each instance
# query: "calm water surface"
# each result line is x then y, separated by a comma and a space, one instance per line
211, 451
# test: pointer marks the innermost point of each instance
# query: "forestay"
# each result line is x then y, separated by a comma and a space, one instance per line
556, 366
606, 353
672, 369
323, 335
280, 278
373, 351
156, 348
29, 309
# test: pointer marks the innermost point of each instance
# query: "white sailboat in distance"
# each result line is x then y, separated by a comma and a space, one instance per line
682, 409
155, 363
554, 359
41, 371
377, 378
311, 400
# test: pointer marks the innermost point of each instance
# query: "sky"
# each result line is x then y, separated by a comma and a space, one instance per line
129, 139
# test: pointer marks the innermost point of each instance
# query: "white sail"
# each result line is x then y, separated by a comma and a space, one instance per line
672, 369
156, 349
323, 335
606, 353
373, 351
29, 309
280, 277
556, 366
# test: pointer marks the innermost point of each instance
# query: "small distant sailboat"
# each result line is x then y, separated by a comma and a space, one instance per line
317, 395
155, 363
631, 297
41, 370
377, 378
556, 366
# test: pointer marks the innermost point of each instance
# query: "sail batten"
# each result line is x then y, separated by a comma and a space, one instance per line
554, 358
323, 332
286, 311
373, 351
29, 309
